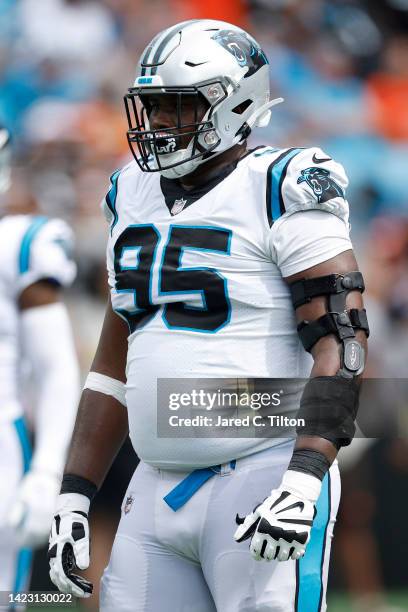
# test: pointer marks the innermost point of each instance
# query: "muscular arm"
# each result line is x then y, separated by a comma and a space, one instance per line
326, 352
101, 425
267, 525
41, 293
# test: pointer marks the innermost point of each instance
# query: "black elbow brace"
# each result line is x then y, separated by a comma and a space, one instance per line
328, 407
329, 404
338, 321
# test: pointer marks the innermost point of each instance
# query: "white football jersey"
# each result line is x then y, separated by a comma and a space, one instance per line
198, 276
32, 248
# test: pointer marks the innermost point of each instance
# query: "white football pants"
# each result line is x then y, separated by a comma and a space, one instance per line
188, 561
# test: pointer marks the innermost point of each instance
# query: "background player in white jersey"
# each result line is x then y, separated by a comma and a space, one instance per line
212, 248
34, 328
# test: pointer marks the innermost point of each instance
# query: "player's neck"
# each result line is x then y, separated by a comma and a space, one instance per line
204, 173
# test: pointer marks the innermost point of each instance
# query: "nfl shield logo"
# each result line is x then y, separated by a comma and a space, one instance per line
128, 504
178, 206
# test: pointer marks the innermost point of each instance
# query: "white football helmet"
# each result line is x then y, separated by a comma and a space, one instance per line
219, 63
5, 159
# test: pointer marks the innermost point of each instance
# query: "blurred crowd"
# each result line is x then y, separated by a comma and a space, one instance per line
342, 67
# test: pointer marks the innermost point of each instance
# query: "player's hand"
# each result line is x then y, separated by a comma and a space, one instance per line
280, 527
32, 511
69, 545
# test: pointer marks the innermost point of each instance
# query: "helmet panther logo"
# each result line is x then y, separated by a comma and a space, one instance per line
246, 51
323, 186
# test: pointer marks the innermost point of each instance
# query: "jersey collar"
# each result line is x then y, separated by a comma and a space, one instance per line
177, 198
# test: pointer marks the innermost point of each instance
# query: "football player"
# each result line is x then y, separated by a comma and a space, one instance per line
34, 329
214, 251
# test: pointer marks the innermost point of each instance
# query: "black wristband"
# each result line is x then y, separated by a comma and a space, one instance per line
76, 484
309, 462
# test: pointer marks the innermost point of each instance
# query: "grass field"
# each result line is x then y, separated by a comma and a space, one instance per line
342, 603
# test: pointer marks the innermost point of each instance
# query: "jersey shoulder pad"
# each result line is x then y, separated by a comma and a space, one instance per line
120, 182
260, 159
309, 179
46, 252
257, 164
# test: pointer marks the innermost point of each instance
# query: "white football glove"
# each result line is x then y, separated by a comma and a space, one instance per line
280, 526
32, 511
69, 545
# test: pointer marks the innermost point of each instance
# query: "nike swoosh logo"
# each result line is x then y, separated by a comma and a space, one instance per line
193, 65
300, 505
283, 496
318, 160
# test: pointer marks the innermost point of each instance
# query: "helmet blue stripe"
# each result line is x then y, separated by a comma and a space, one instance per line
156, 57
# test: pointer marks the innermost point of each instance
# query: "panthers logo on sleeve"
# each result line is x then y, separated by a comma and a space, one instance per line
321, 183
294, 183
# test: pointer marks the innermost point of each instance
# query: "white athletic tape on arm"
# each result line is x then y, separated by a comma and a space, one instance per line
107, 385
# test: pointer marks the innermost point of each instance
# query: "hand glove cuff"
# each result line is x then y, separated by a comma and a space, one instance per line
71, 502
302, 485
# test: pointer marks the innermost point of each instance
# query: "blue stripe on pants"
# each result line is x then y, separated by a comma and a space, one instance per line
23, 567
24, 557
24, 439
310, 567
